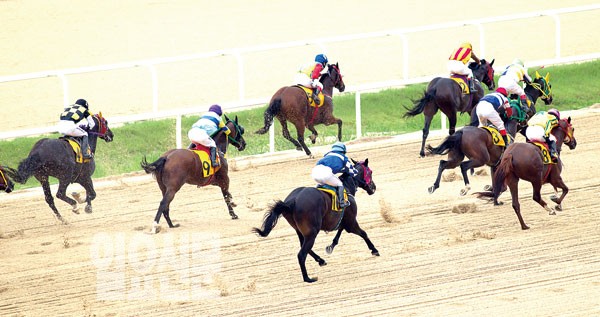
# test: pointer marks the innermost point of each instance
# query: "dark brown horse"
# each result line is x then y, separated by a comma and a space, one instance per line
446, 95
291, 103
182, 166
475, 143
55, 158
5, 183
524, 161
309, 210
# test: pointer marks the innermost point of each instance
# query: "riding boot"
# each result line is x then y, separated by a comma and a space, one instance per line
553, 151
191, 146
85, 148
315, 96
343, 203
213, 157
472, 85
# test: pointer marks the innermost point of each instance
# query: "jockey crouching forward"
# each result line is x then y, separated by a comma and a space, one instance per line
511, 80
458, 60
202, 130
489, 107
72, 123
539, 128
334, 162
308, 76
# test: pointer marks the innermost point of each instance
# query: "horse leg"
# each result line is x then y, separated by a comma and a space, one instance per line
90, 194
306, 247
537, 197
336, 239
300, 134
61, 194
339, 123
287, 136
314, 133
222, 180
163, 209
425, 133
355, 228
48, 195
558, 200
513, 185
311, 252
441, 169
464, 167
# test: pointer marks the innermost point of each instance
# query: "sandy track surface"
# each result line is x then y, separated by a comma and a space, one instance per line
433, 261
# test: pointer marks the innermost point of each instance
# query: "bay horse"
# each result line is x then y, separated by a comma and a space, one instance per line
5, 183
177, 167
291, 103
475, 143
309, 210
56, 158
445, 94
524, 161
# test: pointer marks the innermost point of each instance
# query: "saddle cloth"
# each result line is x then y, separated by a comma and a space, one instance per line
461, 80
309, 93
545, 152
496, 137
204, 156
76, 149
335, 206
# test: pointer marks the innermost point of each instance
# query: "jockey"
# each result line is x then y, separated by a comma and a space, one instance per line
510, 79
489, 107
308, 76
334, 162
539, 128
458, 60
72, 123
207, 126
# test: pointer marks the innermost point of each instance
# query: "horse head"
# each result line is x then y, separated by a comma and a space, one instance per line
565, 133
236, 135
540, 88
333, 78
364, 177
5, 183
484, 73
101, 128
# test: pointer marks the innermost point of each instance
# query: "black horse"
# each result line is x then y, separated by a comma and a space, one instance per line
56, 158
309, 210
446, 95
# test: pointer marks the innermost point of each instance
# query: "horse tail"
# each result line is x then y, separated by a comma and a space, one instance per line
154, 167
26, 168
502, 171
428, 96
270, 113
451, 142
271, 218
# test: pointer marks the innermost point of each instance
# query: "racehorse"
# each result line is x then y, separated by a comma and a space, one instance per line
309, 210
5, 183
475, 143
446, 95
56, 158
524, 161
291, 103
182, 166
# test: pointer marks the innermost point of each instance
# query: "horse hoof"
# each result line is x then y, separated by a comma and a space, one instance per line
311, 280
498, 203
322, 263
487, 188
375, 253
431, 189
329, 249
464, 191
524, 228
558, 207
234, 216
88, 209
554, 198
552, 213
75, 209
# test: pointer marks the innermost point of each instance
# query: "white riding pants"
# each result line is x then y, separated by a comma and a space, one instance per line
199, 136
486, 112
536, 133
458, 67
70, 128
324, 175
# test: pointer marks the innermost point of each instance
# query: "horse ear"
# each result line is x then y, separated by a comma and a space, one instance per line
569, 120
100, 114
353, 161
366, 162
537, 75
492, 63
236, 119
226, 118
547, 78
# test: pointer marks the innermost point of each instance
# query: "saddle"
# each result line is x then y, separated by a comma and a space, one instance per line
204, 156
496, 137
462, 81
545, 152
309, 93
335, 206
75, 144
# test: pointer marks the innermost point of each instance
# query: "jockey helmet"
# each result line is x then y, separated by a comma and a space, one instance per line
321, 58
338, 147
502, 91
467, 45
518, 62
555, 113
216, 109
82, 102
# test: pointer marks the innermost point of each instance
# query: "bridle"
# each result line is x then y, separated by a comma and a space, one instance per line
366, 180
567, 130
237, 140
102, 126
546, 91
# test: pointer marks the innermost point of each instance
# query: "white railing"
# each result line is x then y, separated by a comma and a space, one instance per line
238, 52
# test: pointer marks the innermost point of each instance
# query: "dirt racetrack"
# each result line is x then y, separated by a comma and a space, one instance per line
434, 261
